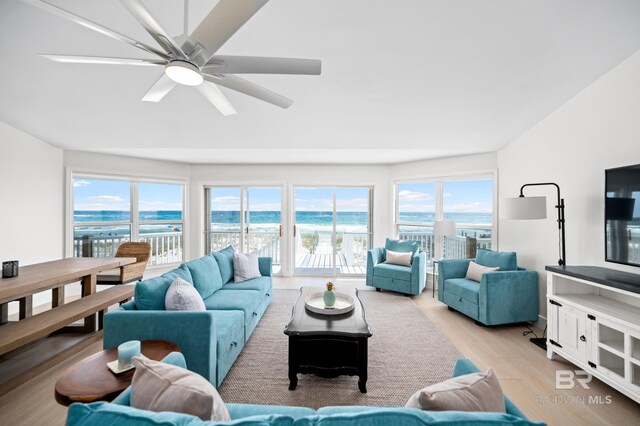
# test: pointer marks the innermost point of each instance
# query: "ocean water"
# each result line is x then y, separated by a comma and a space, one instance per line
87, 216
307, 221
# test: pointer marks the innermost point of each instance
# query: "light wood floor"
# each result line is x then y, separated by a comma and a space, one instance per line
526, 375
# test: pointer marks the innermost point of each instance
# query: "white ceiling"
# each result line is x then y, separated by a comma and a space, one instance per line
401, 80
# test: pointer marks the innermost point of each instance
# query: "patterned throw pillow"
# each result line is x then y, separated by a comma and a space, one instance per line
183, 296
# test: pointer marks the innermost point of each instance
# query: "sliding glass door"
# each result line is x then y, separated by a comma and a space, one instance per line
263, 223
332, 230
247, 218
313, 231
353, 230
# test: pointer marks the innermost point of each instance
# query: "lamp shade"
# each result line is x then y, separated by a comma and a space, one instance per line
525, 208
445, 228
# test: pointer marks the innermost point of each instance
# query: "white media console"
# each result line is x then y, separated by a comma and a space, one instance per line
593, 321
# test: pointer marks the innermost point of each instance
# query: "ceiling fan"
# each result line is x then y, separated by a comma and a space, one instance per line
194, 62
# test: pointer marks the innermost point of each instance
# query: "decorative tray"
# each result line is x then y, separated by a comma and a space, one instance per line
315, 303
113, 366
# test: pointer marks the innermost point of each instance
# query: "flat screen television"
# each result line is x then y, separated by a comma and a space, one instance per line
622, 215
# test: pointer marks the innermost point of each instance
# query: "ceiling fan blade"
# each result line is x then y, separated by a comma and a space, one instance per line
248, 88
159, 89
222, 22
144, 17
103, 60
217, 98
220, 64
95, 27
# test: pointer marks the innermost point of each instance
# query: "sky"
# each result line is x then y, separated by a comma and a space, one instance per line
458, 196
97, 194
306, 199
469, 196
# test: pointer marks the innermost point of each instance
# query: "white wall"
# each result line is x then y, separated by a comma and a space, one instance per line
287, 176
32, 195
31, 200
596, 130
445, 167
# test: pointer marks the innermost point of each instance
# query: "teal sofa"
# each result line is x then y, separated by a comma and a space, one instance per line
399, 278
211, 340
506, 296
120, 413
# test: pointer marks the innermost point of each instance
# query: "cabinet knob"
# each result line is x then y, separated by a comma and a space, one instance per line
584, 339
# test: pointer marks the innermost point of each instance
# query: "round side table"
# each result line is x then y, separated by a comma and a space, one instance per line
91, 380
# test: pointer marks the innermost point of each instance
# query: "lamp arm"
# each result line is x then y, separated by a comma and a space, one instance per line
560, 207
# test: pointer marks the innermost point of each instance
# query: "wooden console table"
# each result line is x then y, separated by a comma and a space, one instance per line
54, 276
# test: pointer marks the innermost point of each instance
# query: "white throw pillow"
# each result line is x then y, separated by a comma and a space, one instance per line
398, 258
183, 296
475, 271
157, 386
471, 392
245, 266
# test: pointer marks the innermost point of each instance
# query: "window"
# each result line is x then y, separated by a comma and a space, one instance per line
105, 215
247, 218
416, 213
160, 220
332, 230
468, 202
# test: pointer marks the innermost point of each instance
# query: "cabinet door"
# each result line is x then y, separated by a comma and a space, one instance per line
571, 331
608, 349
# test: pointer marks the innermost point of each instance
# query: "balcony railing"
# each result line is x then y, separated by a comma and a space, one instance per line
454, 247
264, 244
166, 247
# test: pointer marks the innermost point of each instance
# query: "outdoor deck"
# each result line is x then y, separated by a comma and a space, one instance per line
320, 264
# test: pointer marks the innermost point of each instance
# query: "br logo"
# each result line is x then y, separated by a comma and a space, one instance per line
566, 379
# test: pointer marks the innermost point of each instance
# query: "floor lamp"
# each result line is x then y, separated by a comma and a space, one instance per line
527, 208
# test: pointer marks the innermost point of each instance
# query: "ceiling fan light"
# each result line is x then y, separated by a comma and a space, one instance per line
184, 73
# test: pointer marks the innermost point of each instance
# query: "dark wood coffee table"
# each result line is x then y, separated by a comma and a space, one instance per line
91, 380
328, 345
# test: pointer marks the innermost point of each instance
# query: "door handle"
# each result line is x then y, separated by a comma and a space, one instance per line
294, 230
584, 339
280, 231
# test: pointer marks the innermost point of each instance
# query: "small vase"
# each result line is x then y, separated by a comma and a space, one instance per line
329, 296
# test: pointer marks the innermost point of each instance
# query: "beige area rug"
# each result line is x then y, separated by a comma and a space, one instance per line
406, 353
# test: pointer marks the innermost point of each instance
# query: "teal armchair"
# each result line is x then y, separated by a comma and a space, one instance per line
506, 296
403, 279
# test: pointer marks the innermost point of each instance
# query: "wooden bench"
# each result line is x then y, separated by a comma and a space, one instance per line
17, 334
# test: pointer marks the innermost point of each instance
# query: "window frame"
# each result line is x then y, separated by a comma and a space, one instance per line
439, 181
134, 210
244, 200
